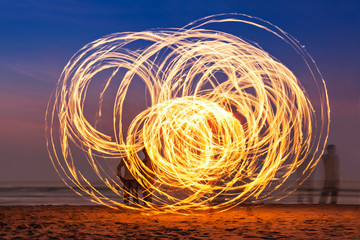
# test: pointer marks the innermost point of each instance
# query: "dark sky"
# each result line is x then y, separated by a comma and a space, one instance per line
39, 37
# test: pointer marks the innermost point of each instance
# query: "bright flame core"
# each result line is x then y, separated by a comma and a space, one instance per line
214, 141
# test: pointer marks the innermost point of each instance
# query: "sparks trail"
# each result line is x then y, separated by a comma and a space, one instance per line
216, 140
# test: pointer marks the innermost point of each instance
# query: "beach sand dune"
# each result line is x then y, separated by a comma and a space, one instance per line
243, 222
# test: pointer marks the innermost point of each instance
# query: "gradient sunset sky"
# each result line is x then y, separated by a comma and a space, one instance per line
39, 37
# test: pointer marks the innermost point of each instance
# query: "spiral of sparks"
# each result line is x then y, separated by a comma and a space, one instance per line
214, 140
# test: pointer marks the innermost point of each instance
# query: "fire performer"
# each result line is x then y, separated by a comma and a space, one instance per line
146, 190
130, 183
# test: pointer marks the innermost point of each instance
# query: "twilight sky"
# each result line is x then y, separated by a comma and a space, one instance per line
39, 37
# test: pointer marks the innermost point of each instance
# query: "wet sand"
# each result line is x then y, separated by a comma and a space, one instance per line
243, 222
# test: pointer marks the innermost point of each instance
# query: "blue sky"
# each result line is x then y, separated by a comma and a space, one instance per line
39, 37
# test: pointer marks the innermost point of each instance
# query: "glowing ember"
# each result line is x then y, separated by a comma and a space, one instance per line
214, 141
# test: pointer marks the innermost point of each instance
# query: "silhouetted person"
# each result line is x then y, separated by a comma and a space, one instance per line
150, 177
130, 183
331, 181
305, 187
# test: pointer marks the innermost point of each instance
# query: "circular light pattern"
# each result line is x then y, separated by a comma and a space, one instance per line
227, 121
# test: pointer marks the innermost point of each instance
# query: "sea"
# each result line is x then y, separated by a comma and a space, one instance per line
57, 193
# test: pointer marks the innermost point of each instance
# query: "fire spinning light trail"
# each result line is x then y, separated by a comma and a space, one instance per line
227, 121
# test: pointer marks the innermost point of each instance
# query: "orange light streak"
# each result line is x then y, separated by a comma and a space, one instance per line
214, 141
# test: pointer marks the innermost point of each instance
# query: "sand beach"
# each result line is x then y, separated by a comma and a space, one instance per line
243, 222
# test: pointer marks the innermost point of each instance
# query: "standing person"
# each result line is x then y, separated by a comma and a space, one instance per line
150, 177
331, 169
130, 183
305, 189
305, 186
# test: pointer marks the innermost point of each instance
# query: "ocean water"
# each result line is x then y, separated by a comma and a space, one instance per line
45, 193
